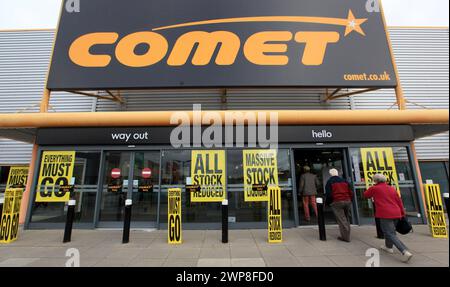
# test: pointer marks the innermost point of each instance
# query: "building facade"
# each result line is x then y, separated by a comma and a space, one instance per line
422, 58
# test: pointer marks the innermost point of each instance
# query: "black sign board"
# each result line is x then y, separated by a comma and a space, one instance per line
192, 188
162, 135
145, 187
63, 189
223, 43
260, 188
114, 188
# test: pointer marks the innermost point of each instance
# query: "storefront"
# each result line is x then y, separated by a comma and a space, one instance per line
101, 161
108, 157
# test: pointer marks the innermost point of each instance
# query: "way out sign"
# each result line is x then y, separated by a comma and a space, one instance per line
274, 224
208, 172
436, 215
174, 215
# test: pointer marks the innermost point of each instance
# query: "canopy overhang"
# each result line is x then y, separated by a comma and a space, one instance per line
22, 127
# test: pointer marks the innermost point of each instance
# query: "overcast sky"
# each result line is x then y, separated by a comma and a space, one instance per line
24, 14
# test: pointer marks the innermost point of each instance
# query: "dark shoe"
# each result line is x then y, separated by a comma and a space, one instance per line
342, 239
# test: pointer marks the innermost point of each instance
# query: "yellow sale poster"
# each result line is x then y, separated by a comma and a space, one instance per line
56, 171
260, 168
208, 171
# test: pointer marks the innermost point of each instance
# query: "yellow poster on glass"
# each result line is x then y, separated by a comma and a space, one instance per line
56, 171
174, 216
379, 160
436, 216
17, 177
208, 171
274, 226
260, 168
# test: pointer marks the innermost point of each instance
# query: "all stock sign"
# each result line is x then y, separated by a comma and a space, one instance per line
223, 43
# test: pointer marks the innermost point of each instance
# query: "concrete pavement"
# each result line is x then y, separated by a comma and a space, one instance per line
246, 248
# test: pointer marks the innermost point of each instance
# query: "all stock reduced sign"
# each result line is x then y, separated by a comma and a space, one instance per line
222, 43
208, 172
274, 226
436, 216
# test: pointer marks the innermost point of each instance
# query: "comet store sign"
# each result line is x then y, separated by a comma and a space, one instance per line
274, 226
174, 215
208, 172
260, 167
436, 215
379, 160
9, 226
56, 171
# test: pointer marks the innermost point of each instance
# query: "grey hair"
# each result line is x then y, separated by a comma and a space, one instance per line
306, 168
334, 172
379, 178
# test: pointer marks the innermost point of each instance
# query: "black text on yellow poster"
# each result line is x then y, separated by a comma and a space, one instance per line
436, 215
17, 177
260, 167
174, 215
275, 227
9, 226
15, 186
379, 160
56, 170
208, 171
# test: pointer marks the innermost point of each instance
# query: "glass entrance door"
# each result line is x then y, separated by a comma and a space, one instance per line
312, 168
145, 189
130, 175
115, 186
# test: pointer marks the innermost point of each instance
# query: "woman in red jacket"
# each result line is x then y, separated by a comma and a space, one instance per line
389, 209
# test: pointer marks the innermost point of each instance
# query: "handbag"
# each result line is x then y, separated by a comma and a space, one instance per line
403, 226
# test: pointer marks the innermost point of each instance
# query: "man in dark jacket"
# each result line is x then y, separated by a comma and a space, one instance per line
339, 196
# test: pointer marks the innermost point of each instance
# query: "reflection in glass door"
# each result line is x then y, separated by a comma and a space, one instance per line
145, 187
115, 185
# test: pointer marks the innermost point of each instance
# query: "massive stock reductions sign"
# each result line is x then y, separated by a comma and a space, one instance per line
221, 43
260, 168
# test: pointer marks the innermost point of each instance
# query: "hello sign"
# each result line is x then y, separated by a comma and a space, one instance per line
233, 43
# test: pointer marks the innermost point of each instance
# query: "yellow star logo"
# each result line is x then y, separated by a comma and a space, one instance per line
354, 24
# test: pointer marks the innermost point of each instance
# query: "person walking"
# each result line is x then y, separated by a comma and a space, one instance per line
339, 196
389, 209
308, 188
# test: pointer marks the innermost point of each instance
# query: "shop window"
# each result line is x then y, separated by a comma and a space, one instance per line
242, 211
176, 169
436, 171
85, 180
405, 181
145, 186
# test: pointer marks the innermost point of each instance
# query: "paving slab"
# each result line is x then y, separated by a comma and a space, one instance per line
300, 247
